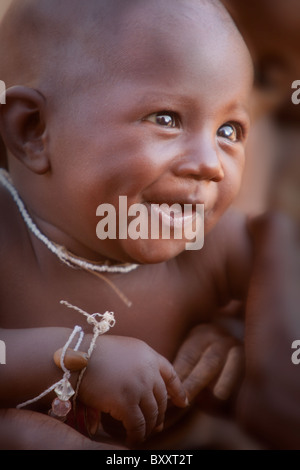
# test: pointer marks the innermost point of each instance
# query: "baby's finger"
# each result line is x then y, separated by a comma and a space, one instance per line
209, 366
231, 374
173, 384
134, 423
161, 396
150, 411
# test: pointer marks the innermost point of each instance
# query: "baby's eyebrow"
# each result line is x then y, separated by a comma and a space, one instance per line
240, 111
163, 97
238, 107
155, 99
160, 97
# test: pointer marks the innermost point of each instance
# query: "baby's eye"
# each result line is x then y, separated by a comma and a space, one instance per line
166, 119
230, 131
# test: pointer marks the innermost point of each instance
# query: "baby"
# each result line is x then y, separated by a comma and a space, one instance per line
145, 100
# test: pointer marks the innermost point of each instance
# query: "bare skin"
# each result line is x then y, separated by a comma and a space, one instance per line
268, 403
27, 430
163, 139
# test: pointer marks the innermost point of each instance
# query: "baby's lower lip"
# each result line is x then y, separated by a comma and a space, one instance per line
174, 216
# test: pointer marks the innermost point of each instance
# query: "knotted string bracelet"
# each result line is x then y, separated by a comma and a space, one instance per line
61, 405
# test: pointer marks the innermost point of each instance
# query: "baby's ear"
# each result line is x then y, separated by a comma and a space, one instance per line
22, 127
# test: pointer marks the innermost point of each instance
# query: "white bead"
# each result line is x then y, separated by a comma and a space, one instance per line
64, 390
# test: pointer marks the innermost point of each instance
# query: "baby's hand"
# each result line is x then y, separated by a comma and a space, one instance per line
131, 382
209, 356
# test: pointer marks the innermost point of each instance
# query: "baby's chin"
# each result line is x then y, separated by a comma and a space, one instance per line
152, 251
155, 251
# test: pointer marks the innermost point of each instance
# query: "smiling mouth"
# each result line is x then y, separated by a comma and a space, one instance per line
174, 216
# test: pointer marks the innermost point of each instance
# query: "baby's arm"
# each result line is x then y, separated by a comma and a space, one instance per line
30, 368
124, 377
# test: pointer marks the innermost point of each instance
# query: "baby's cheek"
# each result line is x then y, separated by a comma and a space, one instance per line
228, 193
233, 180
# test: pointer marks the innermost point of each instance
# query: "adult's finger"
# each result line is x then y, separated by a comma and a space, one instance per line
231, 374
206, 370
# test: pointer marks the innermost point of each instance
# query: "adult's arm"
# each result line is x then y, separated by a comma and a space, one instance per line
269, 399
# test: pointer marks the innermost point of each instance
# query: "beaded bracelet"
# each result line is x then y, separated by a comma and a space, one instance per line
73, 360
61, 405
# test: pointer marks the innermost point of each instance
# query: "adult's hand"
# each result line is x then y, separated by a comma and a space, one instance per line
28, 430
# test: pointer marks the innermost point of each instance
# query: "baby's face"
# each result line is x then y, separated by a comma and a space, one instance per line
169, 127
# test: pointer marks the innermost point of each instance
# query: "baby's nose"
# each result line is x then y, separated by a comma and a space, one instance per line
200, 160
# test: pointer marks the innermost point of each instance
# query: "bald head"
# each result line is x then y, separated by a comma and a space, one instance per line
42, 42
37, 36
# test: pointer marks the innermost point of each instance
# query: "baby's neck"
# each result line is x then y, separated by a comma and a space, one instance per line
58, 242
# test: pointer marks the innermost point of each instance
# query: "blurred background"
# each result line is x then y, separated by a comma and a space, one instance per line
3, 5
271, 29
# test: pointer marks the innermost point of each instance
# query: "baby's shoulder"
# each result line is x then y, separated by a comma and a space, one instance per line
223, 264
230, 235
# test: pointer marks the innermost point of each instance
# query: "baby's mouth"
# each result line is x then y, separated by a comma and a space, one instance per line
176, 215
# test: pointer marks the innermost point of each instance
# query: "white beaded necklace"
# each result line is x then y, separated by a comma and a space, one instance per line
64, 255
